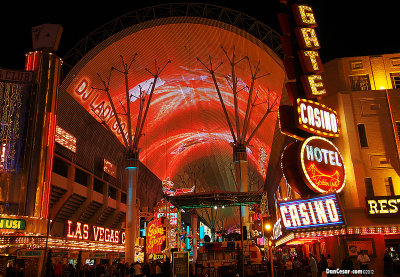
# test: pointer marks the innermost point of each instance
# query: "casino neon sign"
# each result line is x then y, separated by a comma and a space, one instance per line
321, 211
316, 118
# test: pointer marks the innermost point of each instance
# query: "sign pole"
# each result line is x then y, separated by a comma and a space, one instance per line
271, 261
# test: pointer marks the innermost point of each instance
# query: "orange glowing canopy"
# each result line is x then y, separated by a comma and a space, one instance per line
185, 125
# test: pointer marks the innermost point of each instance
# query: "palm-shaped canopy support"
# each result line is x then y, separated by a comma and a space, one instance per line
131, 141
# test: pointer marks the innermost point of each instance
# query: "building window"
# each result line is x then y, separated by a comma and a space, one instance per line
389, 186
60, 167
398, 129
360, 82
112, 193
362, 135
123, 197
356, 65
81, 177
98, 185
395, 77
369, 189
395, 61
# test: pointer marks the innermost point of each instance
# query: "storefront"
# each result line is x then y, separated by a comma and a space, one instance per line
361, 232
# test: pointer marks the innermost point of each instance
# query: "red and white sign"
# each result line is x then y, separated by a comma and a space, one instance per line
83, 231
314, 165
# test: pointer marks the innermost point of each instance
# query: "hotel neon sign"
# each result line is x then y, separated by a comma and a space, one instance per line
322, 165
320, 211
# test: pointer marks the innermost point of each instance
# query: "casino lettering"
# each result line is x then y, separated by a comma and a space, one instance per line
310, 213
319, 118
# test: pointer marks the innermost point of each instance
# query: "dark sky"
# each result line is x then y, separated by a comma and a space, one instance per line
345, 28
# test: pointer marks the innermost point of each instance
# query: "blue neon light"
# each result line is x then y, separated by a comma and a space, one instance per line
300, 216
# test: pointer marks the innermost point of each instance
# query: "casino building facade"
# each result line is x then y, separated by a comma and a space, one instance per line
364, 91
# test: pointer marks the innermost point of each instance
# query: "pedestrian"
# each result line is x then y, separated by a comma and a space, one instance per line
146, 269
58, 270
347, 264
138, 269
323, 265
313, 266
387, 264
363, 261
330, 261
297, 267
288, 268
159, 272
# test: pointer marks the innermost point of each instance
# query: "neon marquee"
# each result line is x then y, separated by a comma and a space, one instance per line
316, 118
83, 231
321, 211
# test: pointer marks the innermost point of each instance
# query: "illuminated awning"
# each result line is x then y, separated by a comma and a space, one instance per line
215, 198
304, 237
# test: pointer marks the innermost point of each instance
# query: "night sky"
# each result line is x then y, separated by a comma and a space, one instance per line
345, 28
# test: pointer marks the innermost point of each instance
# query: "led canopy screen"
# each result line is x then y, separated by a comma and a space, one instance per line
185, 125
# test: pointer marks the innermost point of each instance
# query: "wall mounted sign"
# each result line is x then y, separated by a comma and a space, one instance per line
12, 223
300, 44
383, 206
313, 166
316, 118
83, 231
318, 212
307, 118
155, 237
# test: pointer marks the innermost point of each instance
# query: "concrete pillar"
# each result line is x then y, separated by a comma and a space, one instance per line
194, 222
241, 175
132, 169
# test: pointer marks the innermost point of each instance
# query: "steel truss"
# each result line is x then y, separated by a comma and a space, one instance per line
240, 20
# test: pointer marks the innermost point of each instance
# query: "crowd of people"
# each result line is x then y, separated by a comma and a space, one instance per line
311, 266
150, 269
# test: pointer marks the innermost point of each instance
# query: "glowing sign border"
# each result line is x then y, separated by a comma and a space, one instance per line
303, 166
332, 196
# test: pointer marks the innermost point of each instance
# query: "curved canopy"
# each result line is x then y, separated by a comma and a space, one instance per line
185, 135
